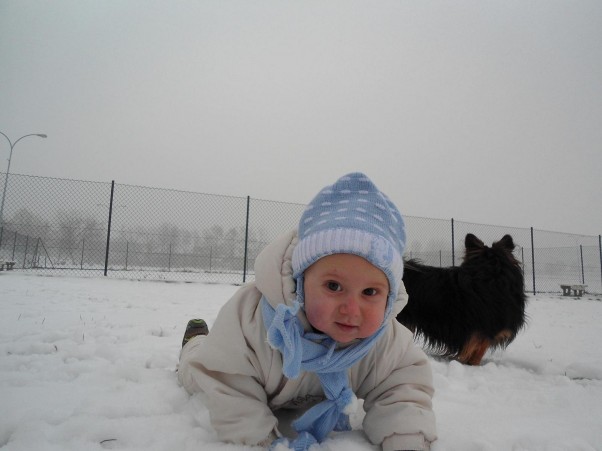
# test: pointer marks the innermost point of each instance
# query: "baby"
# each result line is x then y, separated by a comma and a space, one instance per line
316, 331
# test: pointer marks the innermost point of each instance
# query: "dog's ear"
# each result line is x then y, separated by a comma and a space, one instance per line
507, 243
472, 243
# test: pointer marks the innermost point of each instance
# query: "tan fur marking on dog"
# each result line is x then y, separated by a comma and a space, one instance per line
474, 350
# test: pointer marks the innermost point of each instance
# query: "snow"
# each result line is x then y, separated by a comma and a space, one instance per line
89, 364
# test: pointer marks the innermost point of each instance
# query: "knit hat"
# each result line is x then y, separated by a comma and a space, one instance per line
352, 217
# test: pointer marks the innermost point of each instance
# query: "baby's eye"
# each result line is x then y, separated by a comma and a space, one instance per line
333, 286
370, 291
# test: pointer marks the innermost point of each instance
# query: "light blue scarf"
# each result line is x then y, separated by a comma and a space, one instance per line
317, 353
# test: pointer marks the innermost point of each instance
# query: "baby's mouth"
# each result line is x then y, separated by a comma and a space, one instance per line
346, 327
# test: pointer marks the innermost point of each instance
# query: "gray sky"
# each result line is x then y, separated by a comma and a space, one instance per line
484, 111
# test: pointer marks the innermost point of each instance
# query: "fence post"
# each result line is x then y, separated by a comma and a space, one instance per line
81, 263
169, 259
1, 233
582, 272
26, 248
109, 226
244, 266
600, 249
127, 253
14, 246
533, 258
453, 244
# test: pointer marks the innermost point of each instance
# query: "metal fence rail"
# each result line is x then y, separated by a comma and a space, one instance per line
58, 226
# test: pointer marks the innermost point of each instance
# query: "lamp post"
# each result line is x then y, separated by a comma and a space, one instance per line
12, 146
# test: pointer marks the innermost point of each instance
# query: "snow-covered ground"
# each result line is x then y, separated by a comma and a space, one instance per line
89, 364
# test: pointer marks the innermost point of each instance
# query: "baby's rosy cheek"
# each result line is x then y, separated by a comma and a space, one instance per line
314, 315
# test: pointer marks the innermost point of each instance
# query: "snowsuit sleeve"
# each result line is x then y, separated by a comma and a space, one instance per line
228, 368
397, 392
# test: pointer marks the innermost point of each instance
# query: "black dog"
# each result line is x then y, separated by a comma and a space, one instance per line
463, 311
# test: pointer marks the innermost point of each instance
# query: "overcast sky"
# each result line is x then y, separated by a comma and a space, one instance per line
484, 111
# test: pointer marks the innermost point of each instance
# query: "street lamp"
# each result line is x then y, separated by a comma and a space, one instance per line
12, 146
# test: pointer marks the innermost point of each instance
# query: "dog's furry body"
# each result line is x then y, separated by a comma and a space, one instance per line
463, 311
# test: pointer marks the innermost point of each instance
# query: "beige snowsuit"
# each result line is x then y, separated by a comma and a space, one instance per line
241, 375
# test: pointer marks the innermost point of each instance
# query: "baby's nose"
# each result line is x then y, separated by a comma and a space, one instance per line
350, 306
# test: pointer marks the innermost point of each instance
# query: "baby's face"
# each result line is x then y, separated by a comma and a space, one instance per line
345, 297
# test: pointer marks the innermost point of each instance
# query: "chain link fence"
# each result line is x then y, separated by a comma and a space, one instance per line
57, 226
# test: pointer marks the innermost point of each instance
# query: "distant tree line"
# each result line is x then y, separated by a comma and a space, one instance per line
77, 239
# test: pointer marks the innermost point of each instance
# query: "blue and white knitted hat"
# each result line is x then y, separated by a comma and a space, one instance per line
352, 217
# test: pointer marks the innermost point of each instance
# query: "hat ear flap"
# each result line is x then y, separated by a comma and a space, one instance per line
299, 281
